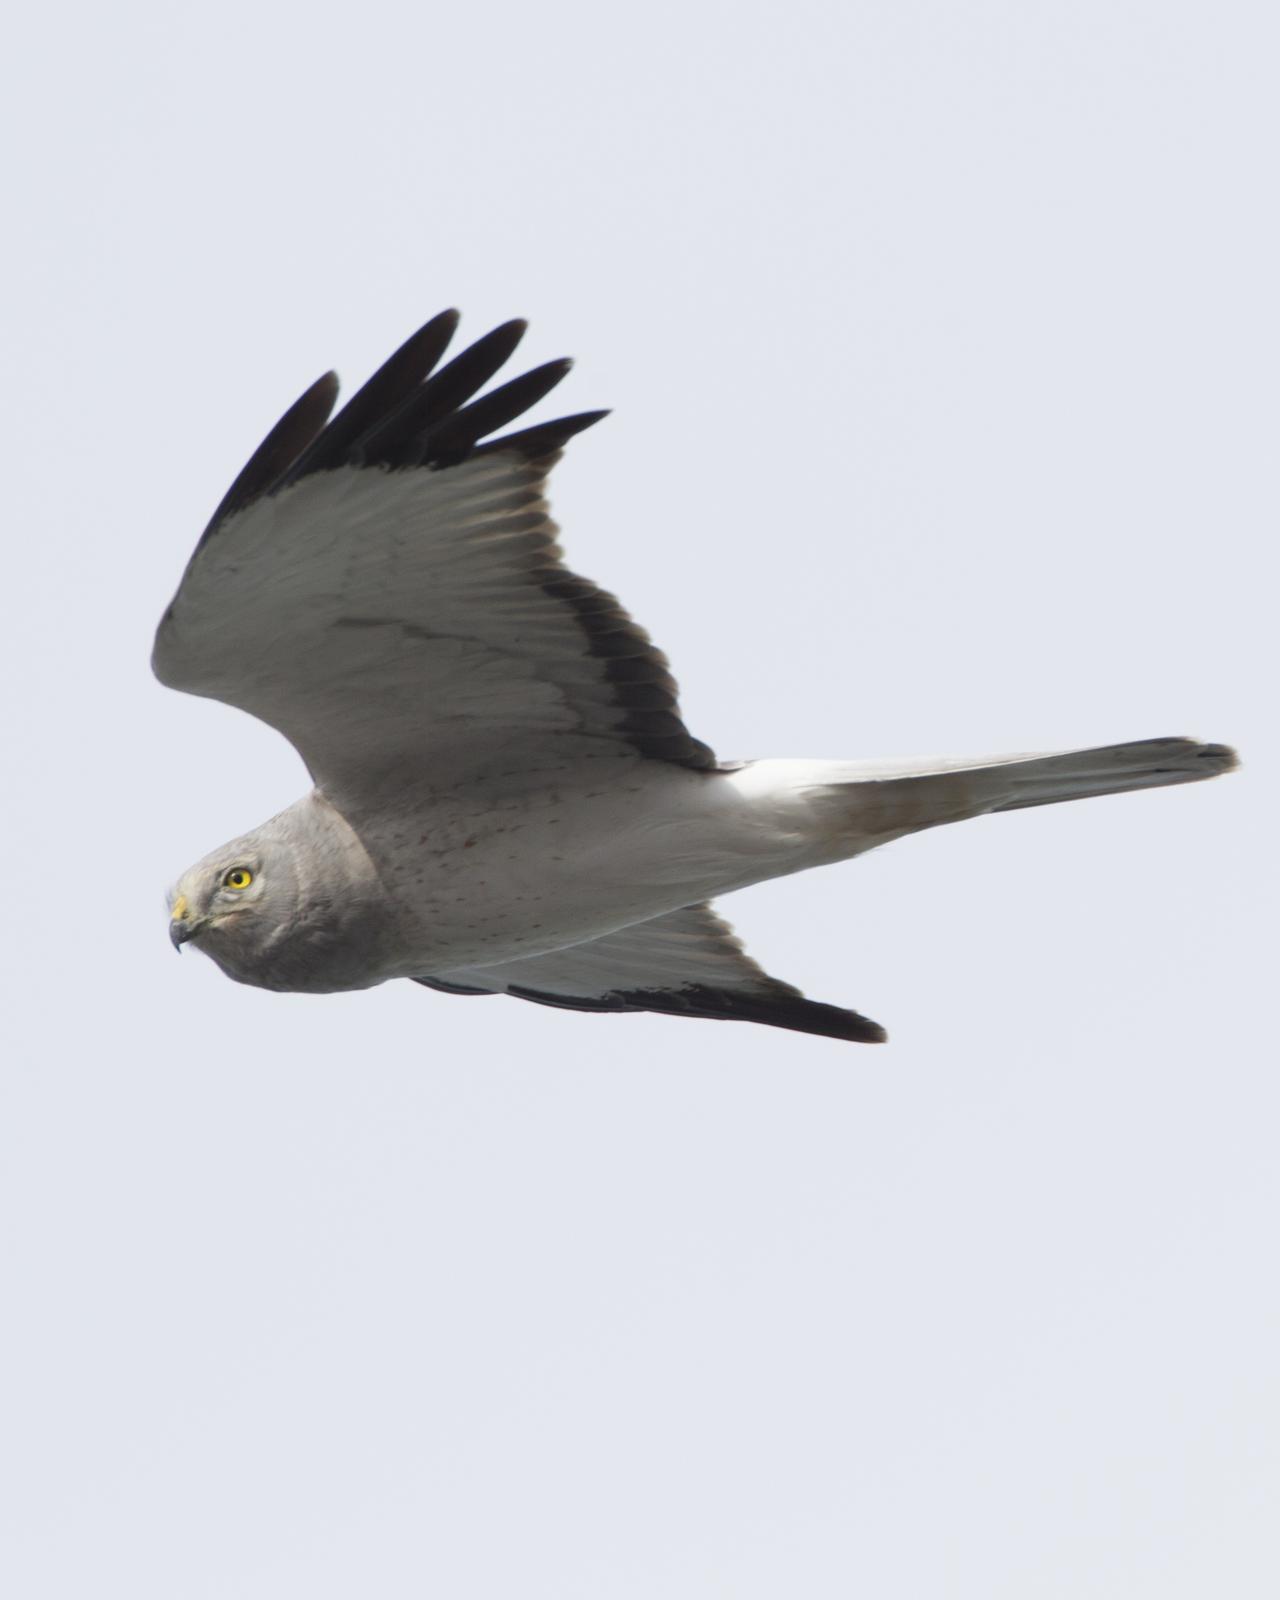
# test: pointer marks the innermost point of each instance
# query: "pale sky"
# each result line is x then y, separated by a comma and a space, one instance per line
942, 344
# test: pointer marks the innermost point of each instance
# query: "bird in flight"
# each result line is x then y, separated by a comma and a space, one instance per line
506, 799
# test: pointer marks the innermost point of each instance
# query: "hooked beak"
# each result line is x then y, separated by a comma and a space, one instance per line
182, 925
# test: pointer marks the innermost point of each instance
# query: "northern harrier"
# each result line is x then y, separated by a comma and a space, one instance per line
506, 800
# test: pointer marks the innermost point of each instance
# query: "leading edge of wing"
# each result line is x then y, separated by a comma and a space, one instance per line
411, 413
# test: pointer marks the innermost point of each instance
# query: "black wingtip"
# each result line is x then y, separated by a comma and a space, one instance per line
495, 348
391, 386
411, 413
417, 357
435, 331
295, 432
545, 438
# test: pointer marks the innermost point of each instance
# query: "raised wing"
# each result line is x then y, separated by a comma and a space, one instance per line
688, 964
388, 592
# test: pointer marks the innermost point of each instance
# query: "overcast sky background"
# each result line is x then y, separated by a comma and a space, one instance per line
943, 346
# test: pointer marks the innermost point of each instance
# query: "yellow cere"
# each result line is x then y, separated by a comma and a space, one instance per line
237, 878
179, 912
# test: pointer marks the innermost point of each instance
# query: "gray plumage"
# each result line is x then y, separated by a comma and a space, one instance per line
507, 800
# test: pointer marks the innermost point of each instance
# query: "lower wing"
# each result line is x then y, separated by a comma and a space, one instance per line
686, 964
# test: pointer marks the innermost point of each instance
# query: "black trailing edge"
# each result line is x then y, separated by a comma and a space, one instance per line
783, 1010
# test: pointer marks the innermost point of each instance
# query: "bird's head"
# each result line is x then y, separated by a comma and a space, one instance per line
234, 903
296, 904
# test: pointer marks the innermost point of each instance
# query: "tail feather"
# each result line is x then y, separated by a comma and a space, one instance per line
846, 807
869, 803
1110, 769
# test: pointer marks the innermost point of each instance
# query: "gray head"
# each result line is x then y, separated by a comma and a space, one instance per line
234, 904
295, 904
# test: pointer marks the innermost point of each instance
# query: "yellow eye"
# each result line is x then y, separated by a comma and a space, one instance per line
237, 878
